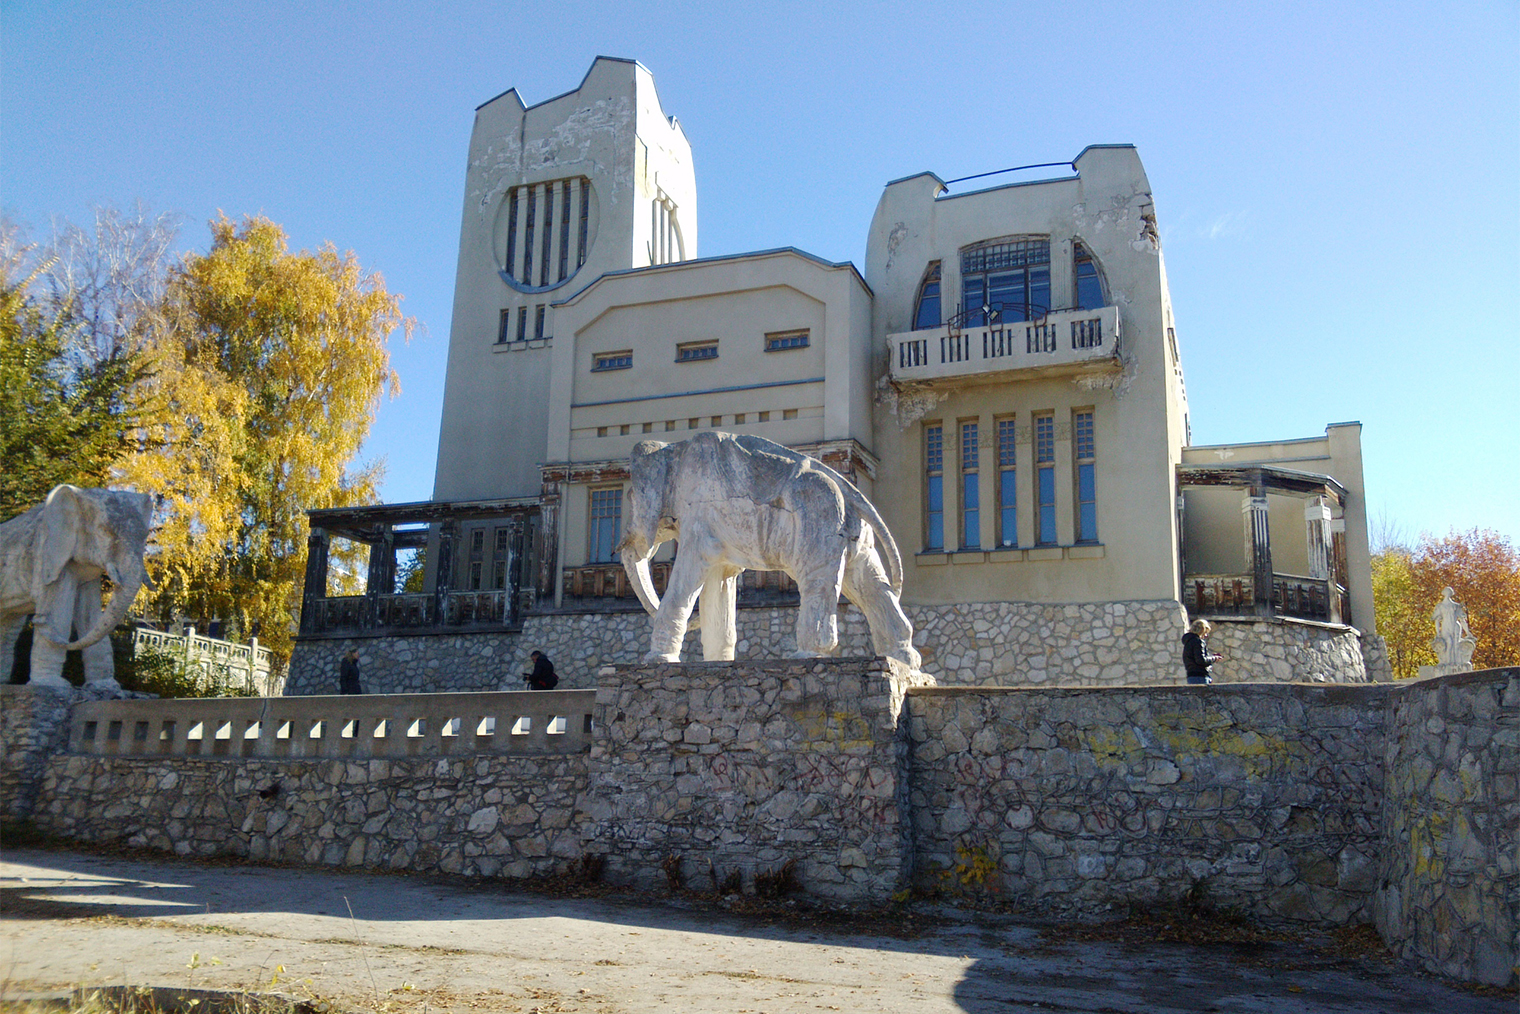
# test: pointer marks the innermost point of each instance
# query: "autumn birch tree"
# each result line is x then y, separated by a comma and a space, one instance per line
273, 364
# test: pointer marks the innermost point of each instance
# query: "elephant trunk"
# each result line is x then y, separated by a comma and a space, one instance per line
121, 601
637, 566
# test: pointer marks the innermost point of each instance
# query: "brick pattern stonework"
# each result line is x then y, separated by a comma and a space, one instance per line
1452, 824
968, 644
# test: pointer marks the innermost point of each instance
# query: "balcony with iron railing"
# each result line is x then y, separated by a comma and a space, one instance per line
1058, 343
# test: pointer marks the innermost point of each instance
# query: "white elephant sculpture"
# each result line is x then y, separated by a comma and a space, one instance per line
51, 561
741, 503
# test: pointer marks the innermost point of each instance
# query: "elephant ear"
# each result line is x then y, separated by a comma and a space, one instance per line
62, 526
63, 516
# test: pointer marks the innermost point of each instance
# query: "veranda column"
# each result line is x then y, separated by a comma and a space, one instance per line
1253, 512
314, 586
443, 579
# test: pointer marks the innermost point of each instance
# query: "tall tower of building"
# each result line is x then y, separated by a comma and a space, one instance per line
557, 194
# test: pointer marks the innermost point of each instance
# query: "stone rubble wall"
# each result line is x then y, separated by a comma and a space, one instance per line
479, 816
748, 766
966, 644
34, 725
1286, 651
1083, 802
1451, 817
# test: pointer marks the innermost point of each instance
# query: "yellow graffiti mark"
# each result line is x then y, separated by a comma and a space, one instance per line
1177, 735
841, 729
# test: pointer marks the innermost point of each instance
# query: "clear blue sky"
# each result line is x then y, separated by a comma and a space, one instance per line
1338, 185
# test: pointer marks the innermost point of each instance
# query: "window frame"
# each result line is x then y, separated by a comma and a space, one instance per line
1085, 466
933, 275
595, 523
785, 341
1044, 434
604, 362
697, 351
934, 487
1080, 255
1008, 483
968, 432
1019, 253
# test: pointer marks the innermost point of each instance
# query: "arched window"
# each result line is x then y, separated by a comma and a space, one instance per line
926, 310
1087, 280
1007, 280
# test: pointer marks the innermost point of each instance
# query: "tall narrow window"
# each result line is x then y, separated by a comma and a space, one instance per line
606, 525
527, 267
580, 241
504, 328
564, 231
1089, 294
934, 471
543, 253
512, 196
1045, 476
971, 501
477, 550
1087, 490
499, 557
522, 323
1008, 514
926, 313
538, 321
1007, 281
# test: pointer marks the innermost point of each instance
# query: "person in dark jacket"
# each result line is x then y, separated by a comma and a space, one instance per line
348, 673
542, 677
1196, 658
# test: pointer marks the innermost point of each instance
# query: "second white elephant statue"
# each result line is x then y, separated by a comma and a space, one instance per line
52, 559
741, 503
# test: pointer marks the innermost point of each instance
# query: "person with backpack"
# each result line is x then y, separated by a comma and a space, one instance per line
542, 677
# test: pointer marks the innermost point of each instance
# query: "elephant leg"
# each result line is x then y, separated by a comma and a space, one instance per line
818, 610
99, 665
720, 594
47, 660
866, 584
669, 625
11, 625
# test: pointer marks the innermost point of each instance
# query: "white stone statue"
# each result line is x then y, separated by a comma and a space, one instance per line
1453, 643
741, 503
52, 559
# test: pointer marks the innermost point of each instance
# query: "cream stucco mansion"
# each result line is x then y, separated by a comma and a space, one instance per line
1003, 380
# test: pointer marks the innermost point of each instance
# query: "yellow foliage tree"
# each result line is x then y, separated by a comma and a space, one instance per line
1483, 571
272, 364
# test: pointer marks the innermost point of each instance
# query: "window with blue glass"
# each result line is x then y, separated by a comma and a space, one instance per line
1087, 490
1045, 477
1007, 281
1088, 282
606, 524
926, 309
1008, 514
971, 513
934, 473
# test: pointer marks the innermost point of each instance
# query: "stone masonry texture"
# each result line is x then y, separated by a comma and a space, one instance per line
1324, 804
967, 644
1451, 814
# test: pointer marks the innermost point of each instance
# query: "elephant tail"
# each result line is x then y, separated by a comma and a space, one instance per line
867, 510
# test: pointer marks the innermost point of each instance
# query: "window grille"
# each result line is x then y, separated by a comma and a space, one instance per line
1008, 515
1087, 494
612, 361
564, 230
690, 352
606, 524
1011, 280
934, 473
971, 514
777, 341
1045, 476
